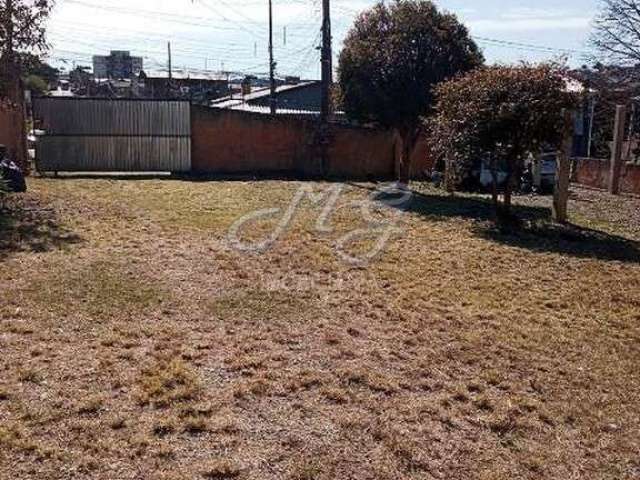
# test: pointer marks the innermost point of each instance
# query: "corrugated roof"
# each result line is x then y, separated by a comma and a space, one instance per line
244, 107
187, 74
259, 93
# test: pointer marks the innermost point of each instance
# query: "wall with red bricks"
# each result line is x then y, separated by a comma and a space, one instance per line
595, 173
360, 153
234, 142
229, 142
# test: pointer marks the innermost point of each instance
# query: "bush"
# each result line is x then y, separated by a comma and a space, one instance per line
501, 114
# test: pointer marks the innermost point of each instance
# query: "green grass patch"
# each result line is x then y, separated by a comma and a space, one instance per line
261, 305
100, 289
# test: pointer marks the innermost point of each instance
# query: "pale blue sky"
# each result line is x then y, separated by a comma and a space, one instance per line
233, 33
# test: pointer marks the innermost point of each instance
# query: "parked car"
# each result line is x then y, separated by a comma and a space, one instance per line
482, 177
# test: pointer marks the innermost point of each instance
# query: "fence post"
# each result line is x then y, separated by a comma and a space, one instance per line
563, 171
537, 171
616, 150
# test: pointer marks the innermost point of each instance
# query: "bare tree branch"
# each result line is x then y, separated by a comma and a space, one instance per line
616, 34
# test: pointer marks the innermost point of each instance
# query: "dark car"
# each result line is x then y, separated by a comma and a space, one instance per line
11, 173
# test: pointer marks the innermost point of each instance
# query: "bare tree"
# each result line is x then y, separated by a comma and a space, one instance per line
616, 34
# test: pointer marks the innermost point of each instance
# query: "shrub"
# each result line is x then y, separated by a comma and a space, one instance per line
501, 114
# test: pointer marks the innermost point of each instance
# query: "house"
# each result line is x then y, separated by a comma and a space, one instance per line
301, 97
198, 86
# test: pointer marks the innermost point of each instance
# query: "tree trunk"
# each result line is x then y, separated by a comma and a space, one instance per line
505, 218
494, 186
407, 136
10, 76
508, 192
17, 142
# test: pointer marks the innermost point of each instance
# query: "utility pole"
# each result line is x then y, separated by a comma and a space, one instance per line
326, 61
169, 54
272, 64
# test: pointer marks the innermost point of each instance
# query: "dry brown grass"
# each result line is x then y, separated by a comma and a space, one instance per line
136, 344
168, 382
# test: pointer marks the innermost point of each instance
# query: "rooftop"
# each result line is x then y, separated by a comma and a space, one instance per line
240, 103
187, 74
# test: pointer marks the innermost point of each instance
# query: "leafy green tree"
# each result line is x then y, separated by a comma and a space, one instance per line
501, 114
22, 29
36, 84
31, 64
393, 57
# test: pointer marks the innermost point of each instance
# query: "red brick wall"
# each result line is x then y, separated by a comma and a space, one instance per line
595, 173
360, 153
12, 133
232, 142
422, 160
229, 142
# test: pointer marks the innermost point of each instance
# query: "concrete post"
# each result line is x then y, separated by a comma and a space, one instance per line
537, 171
563, 172
616, 150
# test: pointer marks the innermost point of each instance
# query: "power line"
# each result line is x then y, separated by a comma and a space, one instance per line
527, 46
195, 50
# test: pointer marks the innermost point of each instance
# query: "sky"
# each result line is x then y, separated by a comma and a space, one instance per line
232, 35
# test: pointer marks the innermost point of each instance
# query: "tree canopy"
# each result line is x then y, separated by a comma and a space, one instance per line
392, 58
22, 25
22, 29
395, 54
33, 65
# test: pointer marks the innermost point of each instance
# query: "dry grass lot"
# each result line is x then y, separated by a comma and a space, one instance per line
136, 344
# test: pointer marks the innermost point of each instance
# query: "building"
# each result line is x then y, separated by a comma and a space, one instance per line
198, 86
301, 97
118, 65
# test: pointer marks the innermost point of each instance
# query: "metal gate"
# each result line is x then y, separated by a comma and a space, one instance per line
105, 135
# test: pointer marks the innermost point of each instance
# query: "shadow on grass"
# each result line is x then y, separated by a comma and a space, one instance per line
537, 232
25, 226
435, 207
567, 239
